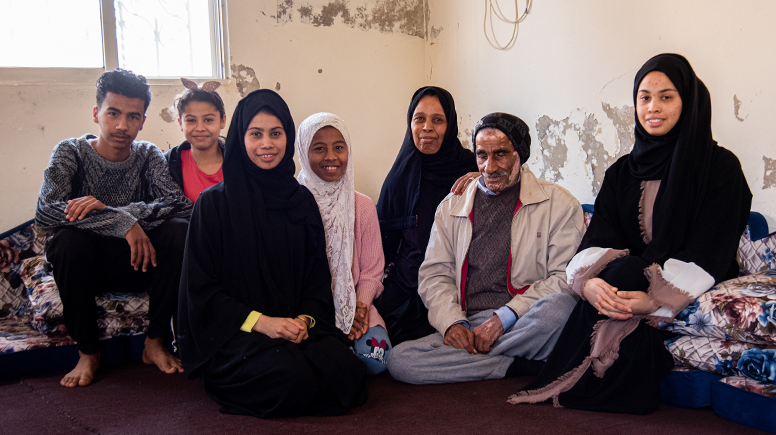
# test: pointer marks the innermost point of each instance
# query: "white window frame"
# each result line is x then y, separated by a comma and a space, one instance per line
220, 54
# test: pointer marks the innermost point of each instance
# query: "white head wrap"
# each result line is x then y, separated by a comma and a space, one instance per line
336, 201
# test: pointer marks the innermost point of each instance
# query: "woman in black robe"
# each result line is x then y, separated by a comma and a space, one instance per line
256, 317
430, 160
666, 228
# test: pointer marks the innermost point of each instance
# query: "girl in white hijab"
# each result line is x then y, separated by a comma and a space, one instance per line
353, 242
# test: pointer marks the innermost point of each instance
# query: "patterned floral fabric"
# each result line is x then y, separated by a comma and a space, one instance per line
725, 357
767, 390
741, 309
30, 307
756, 256
16, 335
27, 243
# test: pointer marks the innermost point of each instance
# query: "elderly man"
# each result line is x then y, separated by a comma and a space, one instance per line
494, 277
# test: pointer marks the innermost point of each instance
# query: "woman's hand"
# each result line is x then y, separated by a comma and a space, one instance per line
294, 330
461, 183
360, 322
606, 300
639, 302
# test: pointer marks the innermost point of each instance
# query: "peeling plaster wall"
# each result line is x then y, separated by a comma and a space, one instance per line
364, 70
570, 77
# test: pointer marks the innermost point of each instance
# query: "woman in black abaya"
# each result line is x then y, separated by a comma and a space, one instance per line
430, 160
666, 228
256, 317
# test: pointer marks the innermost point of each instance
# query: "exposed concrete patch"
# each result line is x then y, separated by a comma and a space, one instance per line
737, 108
246, 79
435, 31
465, 137
623, 120
769, 174
388, 16
306, 14
552, 142
168, 114
554, 134
277, 86
284, 11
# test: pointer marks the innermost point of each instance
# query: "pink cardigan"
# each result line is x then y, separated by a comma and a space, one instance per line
368, 261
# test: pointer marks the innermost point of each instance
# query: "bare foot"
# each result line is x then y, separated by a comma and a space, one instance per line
83, 373
156, 353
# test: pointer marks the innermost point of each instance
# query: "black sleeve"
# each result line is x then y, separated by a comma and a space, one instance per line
714, 236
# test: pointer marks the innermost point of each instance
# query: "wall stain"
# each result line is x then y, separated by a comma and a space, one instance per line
168, 114
284, 11
624, 123
406, 16
737, 108
245, 78
769, 174
552, 141
277, 86
435, 31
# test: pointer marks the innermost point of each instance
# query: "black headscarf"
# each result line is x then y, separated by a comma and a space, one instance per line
254, 242
251, 191
681, 159
513, 127
399, 195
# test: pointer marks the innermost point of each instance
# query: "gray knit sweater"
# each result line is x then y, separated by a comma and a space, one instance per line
139, 189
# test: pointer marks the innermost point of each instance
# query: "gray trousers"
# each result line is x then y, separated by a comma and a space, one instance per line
429, 361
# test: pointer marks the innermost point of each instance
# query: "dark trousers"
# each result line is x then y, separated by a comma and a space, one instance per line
87, 264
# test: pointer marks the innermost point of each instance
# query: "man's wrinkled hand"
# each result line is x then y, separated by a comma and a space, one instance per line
142, 251
487, 333
78, 208
460, 337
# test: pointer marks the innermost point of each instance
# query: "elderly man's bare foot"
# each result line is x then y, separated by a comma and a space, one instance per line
83, 373
156, 353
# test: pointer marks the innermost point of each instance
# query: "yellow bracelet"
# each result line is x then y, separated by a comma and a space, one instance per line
311, 322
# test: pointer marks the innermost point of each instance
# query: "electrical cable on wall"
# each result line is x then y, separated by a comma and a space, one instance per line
490, 10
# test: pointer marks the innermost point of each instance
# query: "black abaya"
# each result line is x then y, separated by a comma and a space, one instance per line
256, 243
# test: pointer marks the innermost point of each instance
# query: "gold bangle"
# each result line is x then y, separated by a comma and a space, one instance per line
309, 320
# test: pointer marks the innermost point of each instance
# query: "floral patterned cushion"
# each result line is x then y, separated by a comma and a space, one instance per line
41, 289
25, 243
756, 256
741, 309
724, 357
118, 313
749, 384
16, 335
746, 402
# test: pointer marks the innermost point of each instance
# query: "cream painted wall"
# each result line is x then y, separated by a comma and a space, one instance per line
570, 57
367, 77
573, 56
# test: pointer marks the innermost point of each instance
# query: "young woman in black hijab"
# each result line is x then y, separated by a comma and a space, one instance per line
256, 317
666, 228
430, 160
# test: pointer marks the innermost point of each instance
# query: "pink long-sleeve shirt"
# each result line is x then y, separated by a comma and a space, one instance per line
368, 261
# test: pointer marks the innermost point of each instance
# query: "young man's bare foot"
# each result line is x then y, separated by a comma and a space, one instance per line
83, 373
156, 353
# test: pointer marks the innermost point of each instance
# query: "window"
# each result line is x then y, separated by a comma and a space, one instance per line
81, 38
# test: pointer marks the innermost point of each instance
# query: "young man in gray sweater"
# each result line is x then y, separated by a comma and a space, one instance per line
119, 221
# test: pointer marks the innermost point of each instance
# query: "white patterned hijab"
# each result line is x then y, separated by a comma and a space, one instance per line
336, 201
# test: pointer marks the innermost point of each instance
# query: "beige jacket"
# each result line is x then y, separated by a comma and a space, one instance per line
546, 231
